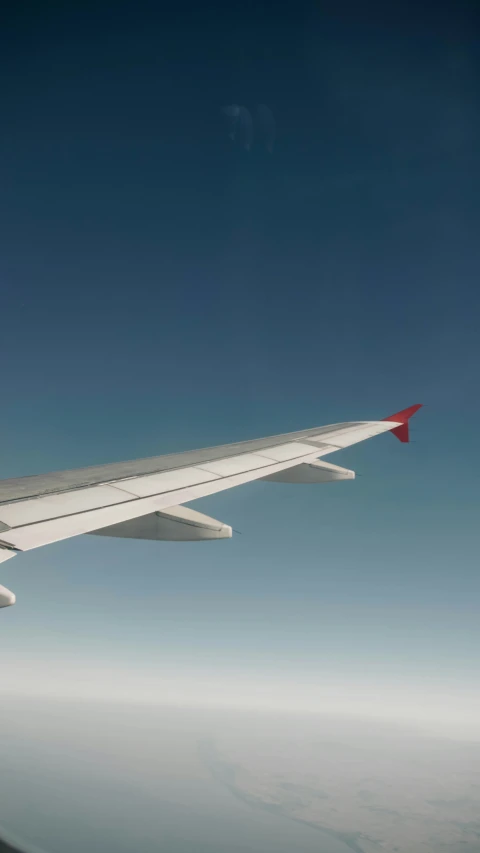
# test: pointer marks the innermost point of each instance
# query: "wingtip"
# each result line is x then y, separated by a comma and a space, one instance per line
405, 415
402, 418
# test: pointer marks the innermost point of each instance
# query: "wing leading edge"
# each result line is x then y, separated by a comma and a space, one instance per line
36, 511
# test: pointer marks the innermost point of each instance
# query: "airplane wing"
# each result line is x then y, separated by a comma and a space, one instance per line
143, 499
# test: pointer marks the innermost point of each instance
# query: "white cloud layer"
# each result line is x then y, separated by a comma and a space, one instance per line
440, 707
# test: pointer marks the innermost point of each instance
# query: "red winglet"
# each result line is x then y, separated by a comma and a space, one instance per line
403, 418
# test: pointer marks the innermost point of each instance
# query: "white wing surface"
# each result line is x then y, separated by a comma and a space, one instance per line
38, 510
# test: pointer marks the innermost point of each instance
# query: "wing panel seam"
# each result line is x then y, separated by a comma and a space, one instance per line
137, 497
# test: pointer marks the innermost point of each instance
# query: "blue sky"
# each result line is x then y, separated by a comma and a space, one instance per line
163, 289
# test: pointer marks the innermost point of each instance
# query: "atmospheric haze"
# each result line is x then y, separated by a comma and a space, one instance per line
444, 707
82, 775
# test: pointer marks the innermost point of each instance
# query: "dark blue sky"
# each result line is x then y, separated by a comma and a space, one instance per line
163, 289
